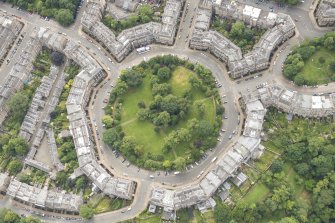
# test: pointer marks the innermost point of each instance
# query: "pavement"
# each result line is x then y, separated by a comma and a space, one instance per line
306, 29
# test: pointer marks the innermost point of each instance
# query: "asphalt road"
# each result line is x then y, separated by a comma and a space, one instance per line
305, 27
230, 124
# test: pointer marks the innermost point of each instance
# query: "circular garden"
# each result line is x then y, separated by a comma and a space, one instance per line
313, 62
163, 113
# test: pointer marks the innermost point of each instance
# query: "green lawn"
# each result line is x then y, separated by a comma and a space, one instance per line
258, 193
265, 160
146, 217
143, 131
198, 217
102, 204
316, 72
299, 193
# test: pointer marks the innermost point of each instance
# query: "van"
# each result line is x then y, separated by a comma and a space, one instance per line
213, 160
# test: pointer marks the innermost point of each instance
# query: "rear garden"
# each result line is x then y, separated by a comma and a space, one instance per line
238, 32
143, 14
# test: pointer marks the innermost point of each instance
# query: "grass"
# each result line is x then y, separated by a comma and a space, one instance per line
258, 193
300, 194
143, 131
146, 217
195, 216
265, 160
316, 72
102, 204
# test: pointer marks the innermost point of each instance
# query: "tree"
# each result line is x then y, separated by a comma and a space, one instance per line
323, 200
61, 179
161, 89
16, 146
128, 144
164, 73
111, 136
200, 106
18, 105
81, 182
299, 80
64, 17
222, 213
237, 30
290, 70
121, 88
179, 163
302, 168
277, 166
132, 78
141, 104
11, 217
287, 220
163, 119
195, 82
145, 13
306, 51
107, 120
332, 65
15, 166
57, 58
143, 114
204, 128
86, 212
322, 165
329, 43
167, 164
321, 60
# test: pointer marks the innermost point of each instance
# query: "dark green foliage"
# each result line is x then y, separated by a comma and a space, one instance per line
241, 35
296, 60
144, 14
8, 216
64, 17
133, 78
16, 147
14, 166
57, 58
332, 66
63, 11
86, 212
308, 146
18, 106
164, 74
163, 111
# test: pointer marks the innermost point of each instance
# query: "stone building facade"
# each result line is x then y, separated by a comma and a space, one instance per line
280, 28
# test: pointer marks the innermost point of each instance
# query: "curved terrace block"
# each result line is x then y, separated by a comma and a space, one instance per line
90, 75
247, 146
120, 46
10, 28
19, 73
280, 28
289, 101
43, 198
325, 13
